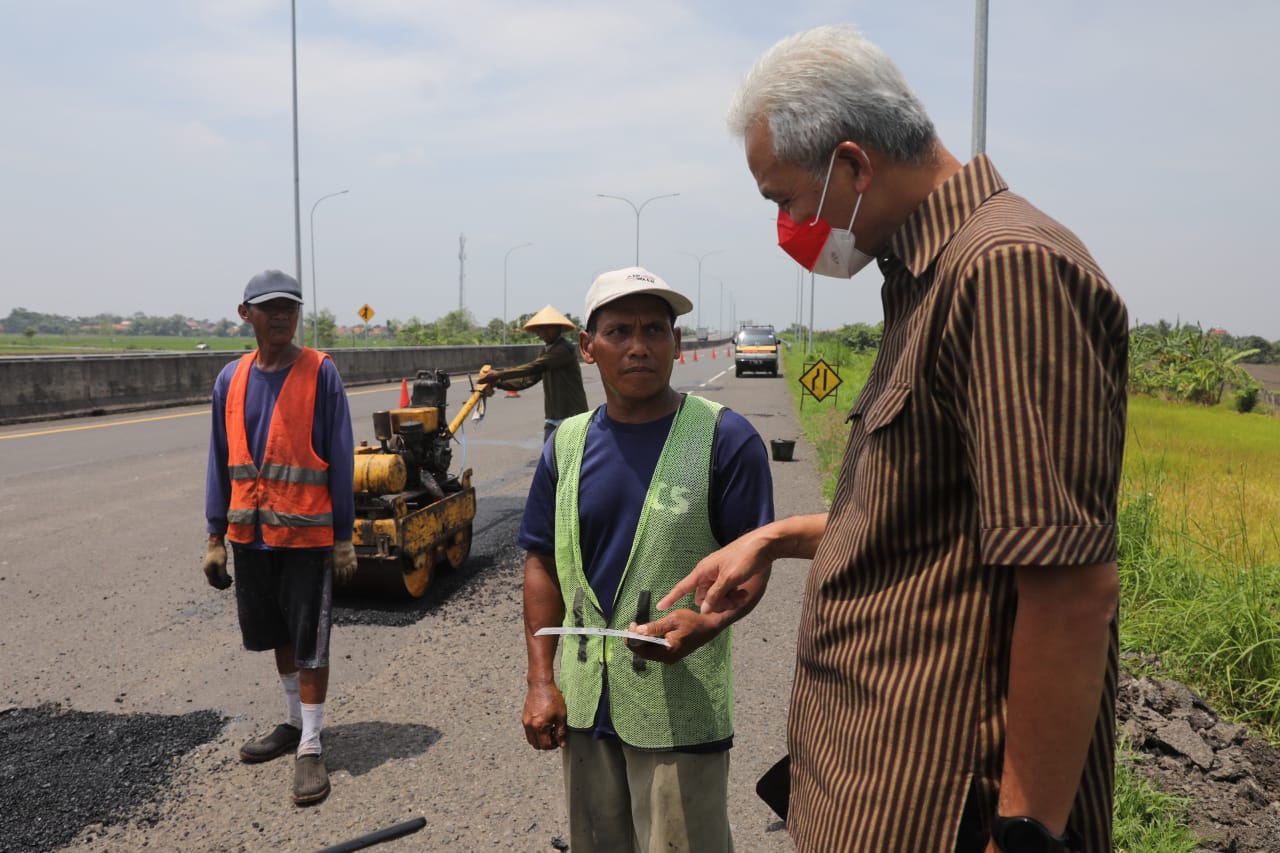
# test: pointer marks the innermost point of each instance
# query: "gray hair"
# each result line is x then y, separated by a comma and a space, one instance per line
824, 86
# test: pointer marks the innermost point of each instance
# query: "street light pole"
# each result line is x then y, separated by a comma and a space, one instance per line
699, 260
315, 304
504, 289
979, 143
720, 316
637, 210
297, 209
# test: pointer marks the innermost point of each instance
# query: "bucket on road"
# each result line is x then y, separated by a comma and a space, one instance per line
782, 449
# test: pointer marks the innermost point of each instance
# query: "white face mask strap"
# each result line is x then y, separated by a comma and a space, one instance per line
825, 184
857, 204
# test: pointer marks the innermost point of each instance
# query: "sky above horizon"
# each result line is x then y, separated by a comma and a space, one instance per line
147, 157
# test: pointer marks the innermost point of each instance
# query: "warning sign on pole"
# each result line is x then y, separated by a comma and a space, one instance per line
820, 380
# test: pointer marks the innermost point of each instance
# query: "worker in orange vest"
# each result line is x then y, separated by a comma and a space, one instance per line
279, 487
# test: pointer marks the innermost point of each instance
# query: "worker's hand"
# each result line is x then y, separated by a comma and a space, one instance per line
344, 560
215, 564
487, 377
686, 630
545, 716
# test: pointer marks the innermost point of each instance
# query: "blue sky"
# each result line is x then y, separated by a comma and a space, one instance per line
147, 162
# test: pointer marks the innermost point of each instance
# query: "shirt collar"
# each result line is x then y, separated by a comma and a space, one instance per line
932, 225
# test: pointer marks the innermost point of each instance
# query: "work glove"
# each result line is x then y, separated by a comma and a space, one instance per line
215, 564
344, 560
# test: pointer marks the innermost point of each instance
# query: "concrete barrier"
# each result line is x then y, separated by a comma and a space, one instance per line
45, 387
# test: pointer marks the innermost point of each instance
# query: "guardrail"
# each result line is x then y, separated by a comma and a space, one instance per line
64, 386
44, 387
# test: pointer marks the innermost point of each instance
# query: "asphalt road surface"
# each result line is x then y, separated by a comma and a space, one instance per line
103, 608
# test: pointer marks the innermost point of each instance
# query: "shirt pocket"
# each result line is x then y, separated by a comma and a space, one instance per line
886, 408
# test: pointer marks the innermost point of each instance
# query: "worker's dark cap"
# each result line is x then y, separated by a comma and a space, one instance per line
269, 285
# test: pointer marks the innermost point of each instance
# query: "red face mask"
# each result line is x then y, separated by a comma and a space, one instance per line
802, 241
818, 247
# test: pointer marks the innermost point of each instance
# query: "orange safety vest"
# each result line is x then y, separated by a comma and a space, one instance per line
289, 496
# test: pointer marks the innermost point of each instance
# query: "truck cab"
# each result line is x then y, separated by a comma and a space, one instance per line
755, 349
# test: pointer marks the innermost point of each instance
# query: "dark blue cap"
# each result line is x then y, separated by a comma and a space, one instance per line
269, 285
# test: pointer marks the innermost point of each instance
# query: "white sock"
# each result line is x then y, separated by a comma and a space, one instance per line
312, 720
292, 704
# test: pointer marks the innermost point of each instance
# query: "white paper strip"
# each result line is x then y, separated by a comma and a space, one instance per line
603, 632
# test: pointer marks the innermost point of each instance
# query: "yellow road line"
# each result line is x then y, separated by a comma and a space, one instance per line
204, 412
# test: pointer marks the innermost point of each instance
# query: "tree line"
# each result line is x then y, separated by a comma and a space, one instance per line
1172, 361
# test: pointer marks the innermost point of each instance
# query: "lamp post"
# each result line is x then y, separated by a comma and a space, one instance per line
315, 306
720, 316
504, 289
297, 209
699, 259
637, 210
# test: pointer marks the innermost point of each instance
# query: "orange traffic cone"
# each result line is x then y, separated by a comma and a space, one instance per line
726, 352
513, 393
713, 353
682, 356
404, 393
695, 355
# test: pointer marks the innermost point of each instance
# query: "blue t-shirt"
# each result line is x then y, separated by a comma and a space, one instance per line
617, 467
331, 439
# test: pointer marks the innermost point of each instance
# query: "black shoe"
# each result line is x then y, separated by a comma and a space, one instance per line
310, 780
274, 744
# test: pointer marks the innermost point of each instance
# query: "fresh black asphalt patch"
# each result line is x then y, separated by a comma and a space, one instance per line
61, 771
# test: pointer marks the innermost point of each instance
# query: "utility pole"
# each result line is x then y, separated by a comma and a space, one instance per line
462, 265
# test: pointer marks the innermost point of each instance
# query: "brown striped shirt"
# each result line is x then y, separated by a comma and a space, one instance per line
988, 436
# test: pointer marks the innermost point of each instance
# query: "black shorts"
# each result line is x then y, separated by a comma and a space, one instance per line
284, 598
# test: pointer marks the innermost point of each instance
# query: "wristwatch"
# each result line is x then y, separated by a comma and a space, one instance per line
1022, 834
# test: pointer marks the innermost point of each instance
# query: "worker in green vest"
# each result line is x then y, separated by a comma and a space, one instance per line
625, 501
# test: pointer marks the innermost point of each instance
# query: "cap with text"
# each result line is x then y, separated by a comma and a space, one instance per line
630, 281
269, 285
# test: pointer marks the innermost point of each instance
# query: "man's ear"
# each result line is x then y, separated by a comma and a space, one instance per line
860, 159
584, 346
243, 310
676, 330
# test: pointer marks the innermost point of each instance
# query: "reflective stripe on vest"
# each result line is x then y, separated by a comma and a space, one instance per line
288, 498
654, 707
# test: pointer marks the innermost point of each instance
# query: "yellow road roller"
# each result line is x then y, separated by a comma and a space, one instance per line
412, 515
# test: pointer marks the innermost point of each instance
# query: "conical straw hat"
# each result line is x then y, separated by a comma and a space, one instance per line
549, 317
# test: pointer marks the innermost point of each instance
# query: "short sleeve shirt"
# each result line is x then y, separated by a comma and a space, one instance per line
988, 436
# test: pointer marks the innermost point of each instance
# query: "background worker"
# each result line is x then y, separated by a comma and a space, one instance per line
556, 367
279, 487
957, 651
623, 503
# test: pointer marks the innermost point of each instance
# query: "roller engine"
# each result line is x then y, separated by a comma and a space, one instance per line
412, 515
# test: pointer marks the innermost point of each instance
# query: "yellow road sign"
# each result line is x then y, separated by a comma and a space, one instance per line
365, 312
820, 380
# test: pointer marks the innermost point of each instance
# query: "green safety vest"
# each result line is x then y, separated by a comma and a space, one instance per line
652, 705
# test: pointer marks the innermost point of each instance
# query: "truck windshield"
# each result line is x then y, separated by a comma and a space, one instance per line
751, 338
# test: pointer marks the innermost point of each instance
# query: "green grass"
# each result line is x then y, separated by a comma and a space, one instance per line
11, 344
824, 422
1199, 529
1144, 818
1212, 473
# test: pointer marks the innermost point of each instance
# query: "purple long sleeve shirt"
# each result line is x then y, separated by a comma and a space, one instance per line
331, 438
